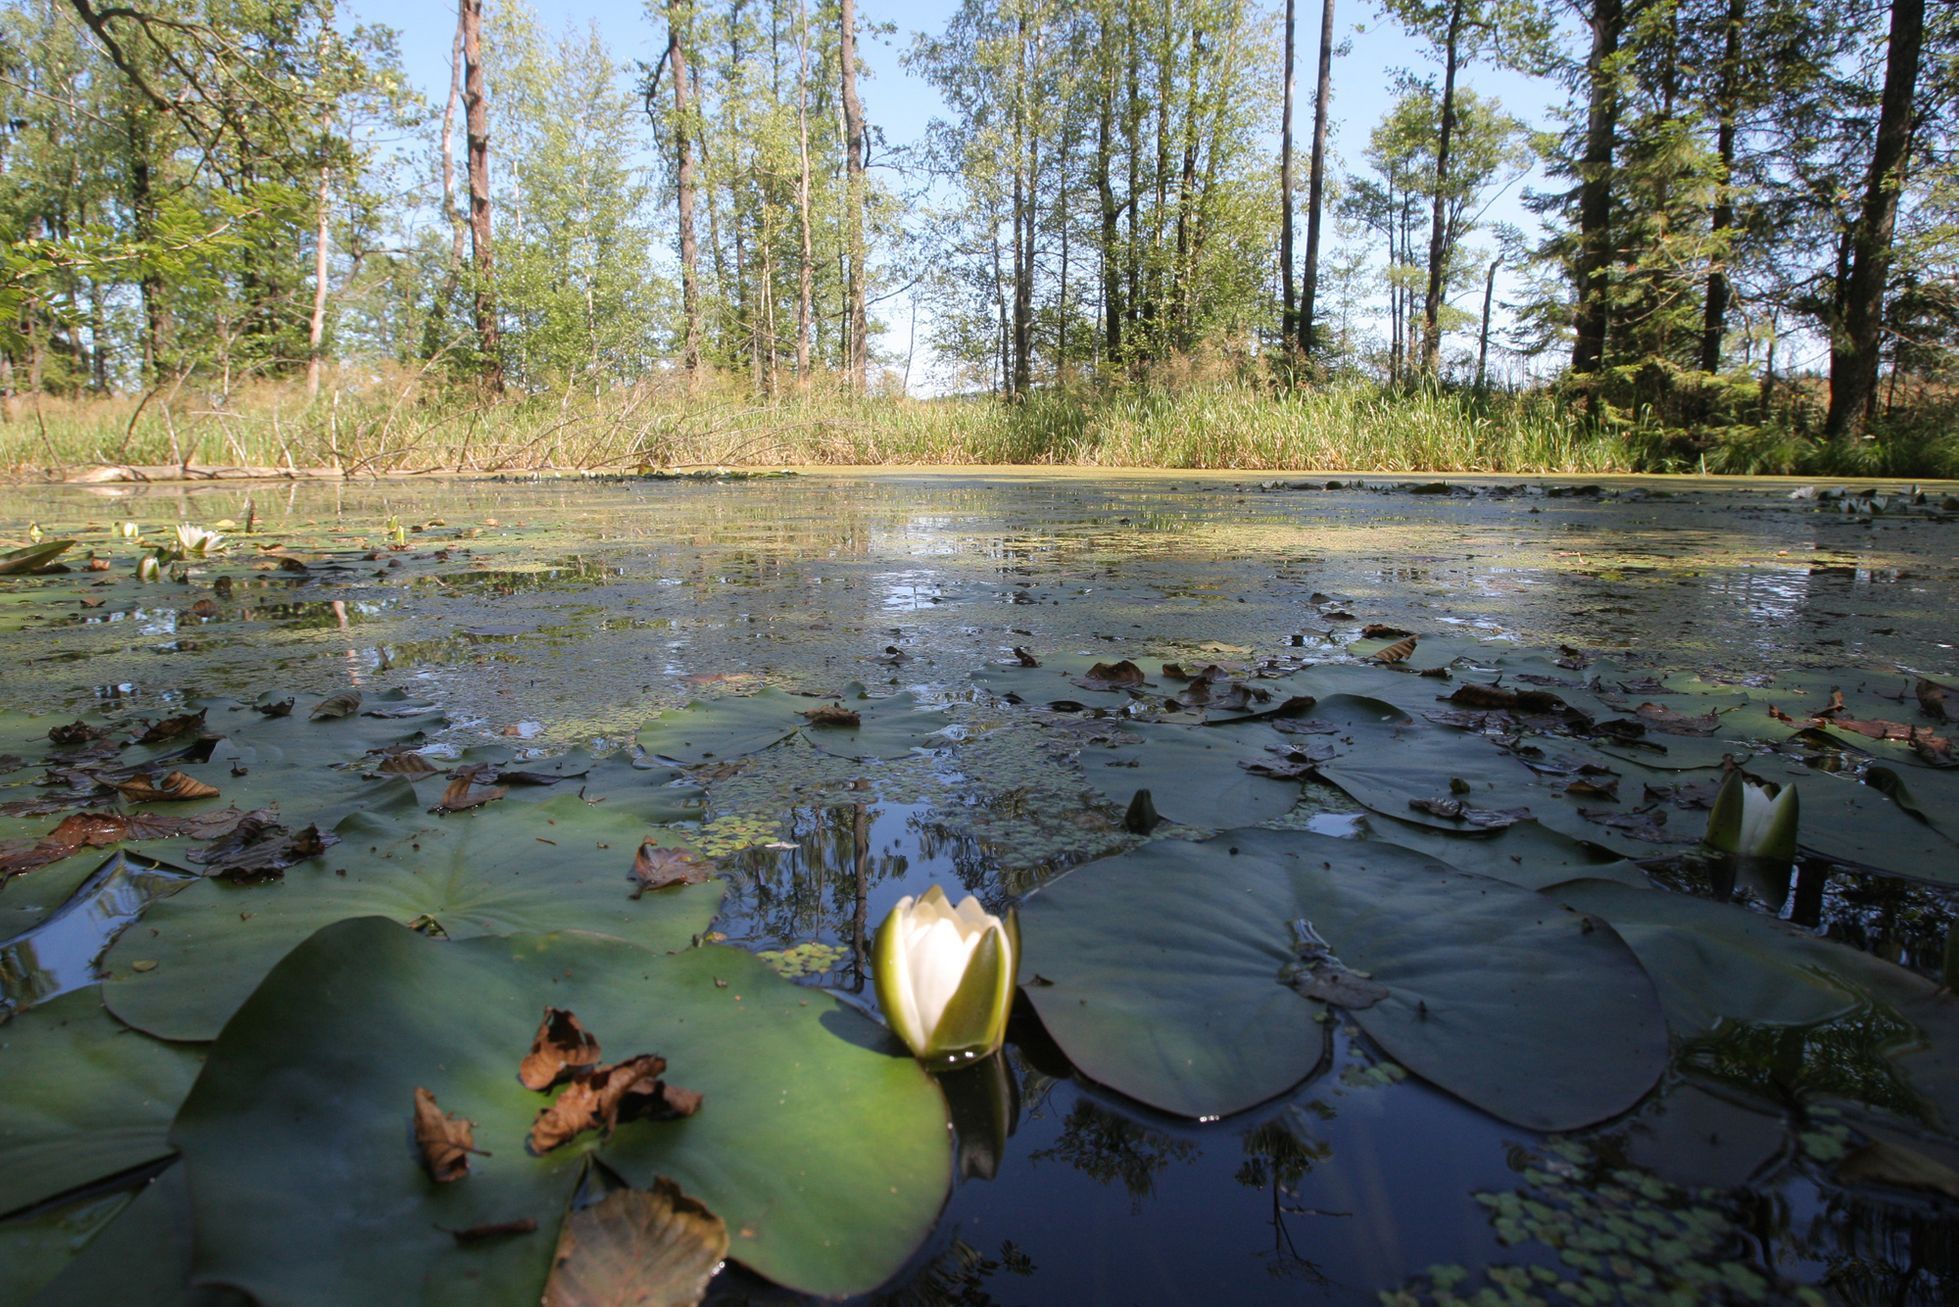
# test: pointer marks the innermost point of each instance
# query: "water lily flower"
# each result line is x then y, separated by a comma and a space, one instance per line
149, 568
1751, 819
945, 976
196, 542
129, 529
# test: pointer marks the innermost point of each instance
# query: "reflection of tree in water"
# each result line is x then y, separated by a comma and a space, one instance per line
957, 1277
1844, 1058
1876, 1252
1107, 1148
819, 889
1277, 1158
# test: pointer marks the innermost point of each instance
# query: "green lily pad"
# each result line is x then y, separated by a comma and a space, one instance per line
85, 1098
719, 730
888, 727
30, 558
504, 868
142, 1258
1716, 962
1526, 854
1847, 820
1193, 775
1162, 973
818, 1141
37, 1247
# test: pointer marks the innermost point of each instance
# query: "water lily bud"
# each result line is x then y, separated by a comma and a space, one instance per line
1753, 820
945, 976
149, 568
129, 530
34, 533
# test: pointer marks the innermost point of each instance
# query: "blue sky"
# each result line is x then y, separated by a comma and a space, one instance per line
900, 105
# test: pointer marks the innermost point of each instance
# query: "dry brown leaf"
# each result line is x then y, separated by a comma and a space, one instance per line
170, 728
343, 704
635, 1248
833, 714
1120, 675
1024, 658
76, 732
463, 792
600, 1097
174, 786
657, 868
445, 1141
411, 765
560, 1047
258, 848
1382, 631
1395, 653
1931, 698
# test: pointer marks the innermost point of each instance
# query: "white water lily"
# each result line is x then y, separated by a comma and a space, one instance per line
1753, 820
945, 976
149, 568
128, 529
196, 542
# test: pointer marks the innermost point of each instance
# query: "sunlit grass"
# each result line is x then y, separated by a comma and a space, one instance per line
400, 425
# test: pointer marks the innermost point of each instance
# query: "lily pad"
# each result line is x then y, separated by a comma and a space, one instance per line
888, 727
719, 730
1163, 974
1193, 775
85, 1098
142, 1258
31, 558
506, 868
820, 1144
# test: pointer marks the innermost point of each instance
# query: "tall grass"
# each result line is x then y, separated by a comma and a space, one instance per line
397, 424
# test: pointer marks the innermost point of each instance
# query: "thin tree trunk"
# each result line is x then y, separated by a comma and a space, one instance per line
1182, 288
1287, 320
1061, 220
1023, 203
1855, 340
806, 273
856, 148
1714, 324
451, 211
1105, 191
1483, 337
1133, 130
683, 144
1595, 190
1438, 250
477, 105
316, 327
1316, 184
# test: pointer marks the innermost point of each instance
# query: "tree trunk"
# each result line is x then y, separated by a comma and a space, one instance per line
856, 148
683, 147
1714, 324
1483, 337
1105, 191
316, 326
451, 211
1316, 183
806, 274
1023, 206
477, 106
1854, 342
1438, 244
1595, 190
1287, 321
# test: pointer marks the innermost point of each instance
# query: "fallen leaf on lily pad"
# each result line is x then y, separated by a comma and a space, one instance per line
1121, 675
657, 868
171, 728
832, 714
335, 706
464, 793
258, 848
173, 786
445, 1140
560, 1046
600, 1097
635, 1248
1398, 652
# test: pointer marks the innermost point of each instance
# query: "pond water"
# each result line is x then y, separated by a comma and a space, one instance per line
529, 618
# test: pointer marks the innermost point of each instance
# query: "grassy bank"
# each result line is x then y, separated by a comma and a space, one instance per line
397, 427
